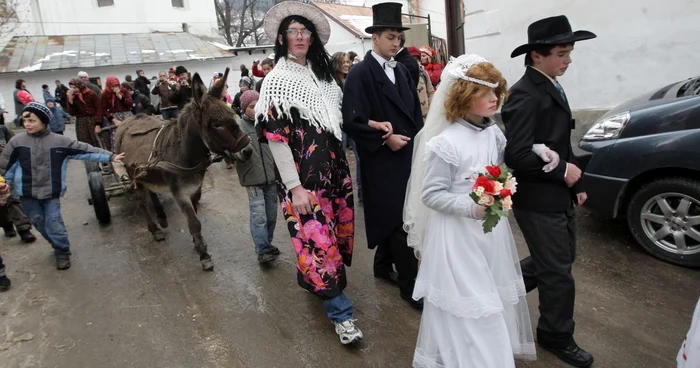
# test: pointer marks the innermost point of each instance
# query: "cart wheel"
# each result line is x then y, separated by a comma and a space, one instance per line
99, 198
92, 167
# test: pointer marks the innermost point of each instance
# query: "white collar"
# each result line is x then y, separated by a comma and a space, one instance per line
380, 59
554, 81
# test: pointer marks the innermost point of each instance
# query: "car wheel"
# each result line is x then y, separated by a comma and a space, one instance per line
664, 217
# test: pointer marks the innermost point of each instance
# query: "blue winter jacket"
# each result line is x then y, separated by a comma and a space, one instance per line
35, 164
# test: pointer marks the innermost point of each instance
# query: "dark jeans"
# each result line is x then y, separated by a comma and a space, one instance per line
45, 214
395, 250
169, 114
2, 268
338, 309
263, 216
12, 213
551, 239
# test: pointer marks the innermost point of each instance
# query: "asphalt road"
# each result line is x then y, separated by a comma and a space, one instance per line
131, 302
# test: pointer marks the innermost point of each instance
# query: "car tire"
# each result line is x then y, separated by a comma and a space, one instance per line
664, 218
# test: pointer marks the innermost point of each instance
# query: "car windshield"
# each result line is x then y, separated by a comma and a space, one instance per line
690, 88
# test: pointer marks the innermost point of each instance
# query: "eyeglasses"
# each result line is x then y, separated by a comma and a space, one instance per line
305, 33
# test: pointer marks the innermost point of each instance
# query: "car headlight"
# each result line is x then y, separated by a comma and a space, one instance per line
608, 128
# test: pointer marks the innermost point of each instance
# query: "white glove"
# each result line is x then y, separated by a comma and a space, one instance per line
547, 155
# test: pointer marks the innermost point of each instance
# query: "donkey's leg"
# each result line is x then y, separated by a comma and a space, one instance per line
160, 211
196, 197
144, 199
184, 201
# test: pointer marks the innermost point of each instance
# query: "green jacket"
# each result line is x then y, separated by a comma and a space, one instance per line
254, 164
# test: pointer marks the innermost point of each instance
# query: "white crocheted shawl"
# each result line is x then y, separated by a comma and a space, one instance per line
293, 86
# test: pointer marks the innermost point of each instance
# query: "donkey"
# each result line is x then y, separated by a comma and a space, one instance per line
173, 156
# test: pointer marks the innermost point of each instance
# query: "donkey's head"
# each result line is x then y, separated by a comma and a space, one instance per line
214, 119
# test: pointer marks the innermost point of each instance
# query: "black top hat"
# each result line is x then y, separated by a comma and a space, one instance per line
550, 32
386, 15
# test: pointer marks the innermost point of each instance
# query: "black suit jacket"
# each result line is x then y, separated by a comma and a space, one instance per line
370, 95
536, 113
410, 63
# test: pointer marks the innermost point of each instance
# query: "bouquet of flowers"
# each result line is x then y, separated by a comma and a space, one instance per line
493, 190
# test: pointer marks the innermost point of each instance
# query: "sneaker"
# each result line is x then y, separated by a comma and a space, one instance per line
10, 231
27, 236
266, 258
274, 250
348, 332
62, 261
4, 284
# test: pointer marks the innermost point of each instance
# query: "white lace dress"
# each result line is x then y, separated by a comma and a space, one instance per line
475, 311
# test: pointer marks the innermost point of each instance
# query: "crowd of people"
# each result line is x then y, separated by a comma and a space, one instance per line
418, 130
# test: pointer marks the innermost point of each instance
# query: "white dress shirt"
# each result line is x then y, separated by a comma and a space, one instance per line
389, 71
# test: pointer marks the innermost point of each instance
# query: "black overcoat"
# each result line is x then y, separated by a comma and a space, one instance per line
535, 112
370, 95
410, 63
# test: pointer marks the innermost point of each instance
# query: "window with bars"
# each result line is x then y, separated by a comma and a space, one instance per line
102, 3
178, 3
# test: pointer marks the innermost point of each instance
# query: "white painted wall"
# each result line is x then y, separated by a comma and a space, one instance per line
125, 16
641, 45
438, 18
74, 17
343, 40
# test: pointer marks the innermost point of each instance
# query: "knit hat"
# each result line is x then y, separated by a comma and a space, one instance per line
247, 97
248, 81
180, 69
425, 49
413, 51
40, 110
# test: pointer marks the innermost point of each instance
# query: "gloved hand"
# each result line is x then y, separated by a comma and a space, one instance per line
547, 155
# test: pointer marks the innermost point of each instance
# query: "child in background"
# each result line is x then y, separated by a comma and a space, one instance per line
12, 217
33, 163
256, 172
58, 117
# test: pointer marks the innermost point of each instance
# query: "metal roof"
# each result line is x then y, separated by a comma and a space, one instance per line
34, 53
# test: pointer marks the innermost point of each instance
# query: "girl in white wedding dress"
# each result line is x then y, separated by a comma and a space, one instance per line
475, 313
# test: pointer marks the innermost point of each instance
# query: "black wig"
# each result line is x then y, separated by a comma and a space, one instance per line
317, 54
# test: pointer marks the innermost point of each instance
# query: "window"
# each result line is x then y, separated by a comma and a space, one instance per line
102, 3
455, 23
178, 3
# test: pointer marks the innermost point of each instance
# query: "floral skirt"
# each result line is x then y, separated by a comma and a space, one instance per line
323, 241
108, 136
85, 130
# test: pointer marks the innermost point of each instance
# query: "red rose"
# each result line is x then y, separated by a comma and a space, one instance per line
488, 184
494, 171
505, 193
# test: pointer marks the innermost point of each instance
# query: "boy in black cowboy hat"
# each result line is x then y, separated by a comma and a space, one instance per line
538, 111
382, 113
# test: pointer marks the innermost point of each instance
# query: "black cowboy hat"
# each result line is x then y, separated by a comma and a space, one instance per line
550, 32
386, 15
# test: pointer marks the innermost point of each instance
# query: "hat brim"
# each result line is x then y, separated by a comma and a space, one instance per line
373, 29
278, 13
575, 37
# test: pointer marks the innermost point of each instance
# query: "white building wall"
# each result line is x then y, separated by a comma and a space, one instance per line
125, 16
438, 17
343, 40
641, 44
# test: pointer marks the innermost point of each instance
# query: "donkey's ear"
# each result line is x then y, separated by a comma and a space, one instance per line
198, 88
217, 90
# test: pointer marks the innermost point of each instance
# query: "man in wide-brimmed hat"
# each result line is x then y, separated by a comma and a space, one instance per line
382, 113
538, 111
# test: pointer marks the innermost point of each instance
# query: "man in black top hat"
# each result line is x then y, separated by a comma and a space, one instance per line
382, 113
538, 111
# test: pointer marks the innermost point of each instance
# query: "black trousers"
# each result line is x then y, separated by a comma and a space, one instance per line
551, 239
12, 213
395, 251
